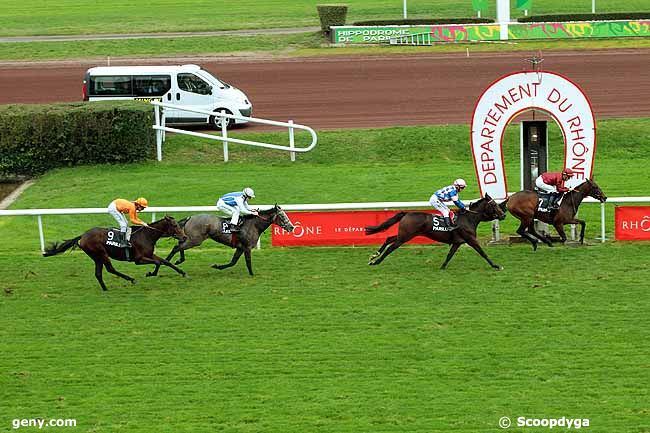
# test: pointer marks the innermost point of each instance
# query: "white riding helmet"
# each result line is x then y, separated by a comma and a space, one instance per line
248, 192
460, 183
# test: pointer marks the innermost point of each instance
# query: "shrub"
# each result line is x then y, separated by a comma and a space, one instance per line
423, 21
586, 17
332, 15
36, 138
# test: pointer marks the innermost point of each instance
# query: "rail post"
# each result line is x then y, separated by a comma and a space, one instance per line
291, 141
224, 133
602, 222
40, 233
159, 136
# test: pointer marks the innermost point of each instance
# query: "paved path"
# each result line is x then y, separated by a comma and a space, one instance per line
247, 32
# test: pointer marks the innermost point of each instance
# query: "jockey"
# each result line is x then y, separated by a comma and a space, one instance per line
118, 207
448, 193
553, 183
235, 203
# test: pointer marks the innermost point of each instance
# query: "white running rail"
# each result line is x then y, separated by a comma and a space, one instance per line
291, 207
161, 127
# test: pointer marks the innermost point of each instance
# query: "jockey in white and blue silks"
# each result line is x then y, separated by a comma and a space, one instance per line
236, 203
448, 193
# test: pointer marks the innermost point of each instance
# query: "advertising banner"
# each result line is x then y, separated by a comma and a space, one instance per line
492, 32
337, 228
632, 223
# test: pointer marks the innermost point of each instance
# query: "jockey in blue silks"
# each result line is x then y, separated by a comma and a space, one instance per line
236, 203
446, 194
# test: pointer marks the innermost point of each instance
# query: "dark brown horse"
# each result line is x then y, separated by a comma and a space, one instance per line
523, 205
412, 224
143, 240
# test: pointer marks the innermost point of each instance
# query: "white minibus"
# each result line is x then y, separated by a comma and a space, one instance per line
184, 85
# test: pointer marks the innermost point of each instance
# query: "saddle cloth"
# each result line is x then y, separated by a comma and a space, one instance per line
543, 199
439, 224
112, 245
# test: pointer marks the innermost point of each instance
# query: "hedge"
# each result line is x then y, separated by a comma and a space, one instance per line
423, 21
36, 138
331, 15
586, 17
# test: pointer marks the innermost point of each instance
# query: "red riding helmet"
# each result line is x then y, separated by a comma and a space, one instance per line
568, 172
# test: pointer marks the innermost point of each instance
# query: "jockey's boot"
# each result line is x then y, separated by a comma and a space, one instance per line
450, 224
555, 198
122, 240
234, 228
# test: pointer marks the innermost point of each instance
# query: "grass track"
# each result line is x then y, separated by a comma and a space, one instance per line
318, 340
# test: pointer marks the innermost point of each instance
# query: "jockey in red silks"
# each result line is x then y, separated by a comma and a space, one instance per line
553, 183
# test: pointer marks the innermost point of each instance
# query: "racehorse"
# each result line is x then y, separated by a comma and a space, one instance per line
143, 240
413, 224
200, 227
523, 205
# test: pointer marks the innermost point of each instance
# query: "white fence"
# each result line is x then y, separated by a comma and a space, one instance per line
161, 127
290, 207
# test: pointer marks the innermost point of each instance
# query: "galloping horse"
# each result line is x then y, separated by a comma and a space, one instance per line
200, 227
143, 240
413, 224
523, 205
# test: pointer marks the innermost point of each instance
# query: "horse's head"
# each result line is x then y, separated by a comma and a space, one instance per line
280, 218
488, 209
593, 190
169, 226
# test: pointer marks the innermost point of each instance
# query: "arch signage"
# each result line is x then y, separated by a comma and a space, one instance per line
518, 92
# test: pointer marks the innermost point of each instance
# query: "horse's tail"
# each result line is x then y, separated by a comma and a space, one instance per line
504, 204
371, 230
59, 247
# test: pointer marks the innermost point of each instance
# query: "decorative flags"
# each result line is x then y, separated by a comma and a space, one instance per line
481, 5
524, 4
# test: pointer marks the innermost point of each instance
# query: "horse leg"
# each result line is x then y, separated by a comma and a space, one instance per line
559, 226
171, 254
532, 231
99, 266
155, 260
389, 240
583, 225
473, 242
109, 267
452, 251
392, 247
182, 259
522, 232
249, 264
233, 261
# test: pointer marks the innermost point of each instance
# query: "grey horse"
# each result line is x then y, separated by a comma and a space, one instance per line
200, 227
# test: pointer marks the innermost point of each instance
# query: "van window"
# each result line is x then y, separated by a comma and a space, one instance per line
151, 85
192, 83
110, 86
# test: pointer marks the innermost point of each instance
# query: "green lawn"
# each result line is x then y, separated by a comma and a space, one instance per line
318, 340
46, 17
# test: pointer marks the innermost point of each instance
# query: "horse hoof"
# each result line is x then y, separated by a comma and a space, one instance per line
216, 267
178, 262
498, 268
184, 274
150, 274
132, 280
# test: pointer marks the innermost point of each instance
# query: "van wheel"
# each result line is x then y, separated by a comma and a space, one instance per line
216, 121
